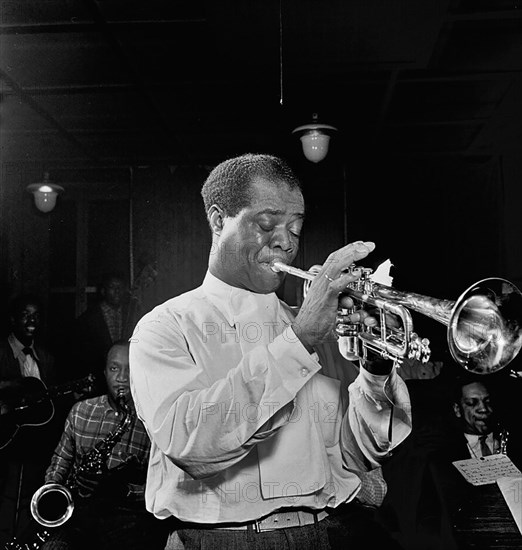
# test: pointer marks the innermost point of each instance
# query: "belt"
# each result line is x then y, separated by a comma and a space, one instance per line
280, 520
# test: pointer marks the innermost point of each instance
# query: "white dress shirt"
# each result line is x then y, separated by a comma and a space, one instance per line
28, 366
243, 420
474, 448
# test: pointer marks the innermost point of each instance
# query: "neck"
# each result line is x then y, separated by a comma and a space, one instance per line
27, 341
115, 404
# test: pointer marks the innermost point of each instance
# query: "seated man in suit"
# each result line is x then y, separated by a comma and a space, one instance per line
474, 410
470, 422
24, 452
20, 353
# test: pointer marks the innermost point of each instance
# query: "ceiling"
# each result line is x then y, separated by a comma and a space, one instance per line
89, 83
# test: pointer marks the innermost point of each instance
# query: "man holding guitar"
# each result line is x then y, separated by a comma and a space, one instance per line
22, 462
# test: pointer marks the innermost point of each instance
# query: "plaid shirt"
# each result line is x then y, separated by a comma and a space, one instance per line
89, 422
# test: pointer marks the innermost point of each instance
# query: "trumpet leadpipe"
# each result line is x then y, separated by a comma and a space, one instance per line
280, 266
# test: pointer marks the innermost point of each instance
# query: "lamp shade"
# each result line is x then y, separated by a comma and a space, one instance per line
45, 194
315, 139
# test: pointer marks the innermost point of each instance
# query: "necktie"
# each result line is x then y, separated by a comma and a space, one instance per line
484, 448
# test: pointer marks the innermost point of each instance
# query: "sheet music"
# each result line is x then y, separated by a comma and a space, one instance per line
488, 469
511, 489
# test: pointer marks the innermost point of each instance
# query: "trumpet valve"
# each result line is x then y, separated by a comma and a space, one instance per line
419, 348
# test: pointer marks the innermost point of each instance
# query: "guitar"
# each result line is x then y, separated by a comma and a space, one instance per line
28, 402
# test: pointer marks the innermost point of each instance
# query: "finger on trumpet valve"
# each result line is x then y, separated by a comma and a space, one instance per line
345, 302
345, 329
357, 271
419, 348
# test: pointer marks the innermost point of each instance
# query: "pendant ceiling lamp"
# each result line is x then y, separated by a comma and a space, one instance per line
45, 193
315, 138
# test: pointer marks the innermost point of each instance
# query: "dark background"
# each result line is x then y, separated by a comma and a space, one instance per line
129, 104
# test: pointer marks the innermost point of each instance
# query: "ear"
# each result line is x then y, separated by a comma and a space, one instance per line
216, 219
456, 410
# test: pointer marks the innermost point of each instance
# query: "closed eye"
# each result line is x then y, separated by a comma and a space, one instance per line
266, 226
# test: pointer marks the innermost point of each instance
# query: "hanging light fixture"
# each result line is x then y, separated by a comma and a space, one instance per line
45, 193
315, 138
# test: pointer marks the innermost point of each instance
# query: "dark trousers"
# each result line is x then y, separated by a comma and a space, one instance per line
350, 527
118, 527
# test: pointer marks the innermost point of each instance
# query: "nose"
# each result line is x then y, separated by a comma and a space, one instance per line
283, 239
122, 375
483, 407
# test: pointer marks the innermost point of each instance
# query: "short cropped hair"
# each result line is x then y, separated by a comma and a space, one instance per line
121, 343
110, 276
465, 379
21, 301
228, 185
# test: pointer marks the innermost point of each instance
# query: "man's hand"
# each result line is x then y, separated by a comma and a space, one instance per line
88, 483
317, 316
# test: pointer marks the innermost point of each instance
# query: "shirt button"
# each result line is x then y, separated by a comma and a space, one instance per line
304, 371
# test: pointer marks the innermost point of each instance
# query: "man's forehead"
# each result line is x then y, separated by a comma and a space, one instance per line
475, 389
117, 353
276, 197
28, 308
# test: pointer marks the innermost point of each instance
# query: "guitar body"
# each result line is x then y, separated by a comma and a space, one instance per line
28, 402
23, 402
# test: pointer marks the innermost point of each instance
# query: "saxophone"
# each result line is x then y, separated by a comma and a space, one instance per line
95, 461
52, 504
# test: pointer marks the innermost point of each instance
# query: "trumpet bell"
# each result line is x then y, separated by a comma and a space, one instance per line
484, 331
52, 505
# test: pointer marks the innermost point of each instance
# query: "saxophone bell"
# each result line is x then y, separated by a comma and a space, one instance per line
52, 505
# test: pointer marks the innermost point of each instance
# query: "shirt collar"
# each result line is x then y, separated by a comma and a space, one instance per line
18, 347
222, 295
105, 404
473, 439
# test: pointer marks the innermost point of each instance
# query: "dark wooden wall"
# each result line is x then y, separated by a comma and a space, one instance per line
443, 223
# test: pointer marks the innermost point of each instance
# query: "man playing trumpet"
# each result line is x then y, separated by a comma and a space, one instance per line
262, 433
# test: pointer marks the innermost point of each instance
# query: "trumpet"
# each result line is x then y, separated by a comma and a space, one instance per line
484, 325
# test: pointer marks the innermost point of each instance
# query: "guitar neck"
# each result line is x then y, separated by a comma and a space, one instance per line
70, 387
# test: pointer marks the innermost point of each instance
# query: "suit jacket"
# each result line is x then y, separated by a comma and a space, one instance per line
427, 496
43, 438
10, 368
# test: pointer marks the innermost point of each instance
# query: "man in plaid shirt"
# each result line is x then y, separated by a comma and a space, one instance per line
109, 509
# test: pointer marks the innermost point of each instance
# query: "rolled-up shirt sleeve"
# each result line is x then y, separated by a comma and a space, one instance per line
203, 425
378, 419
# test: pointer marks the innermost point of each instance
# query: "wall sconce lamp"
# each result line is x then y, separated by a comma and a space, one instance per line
315, 139
45, 193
